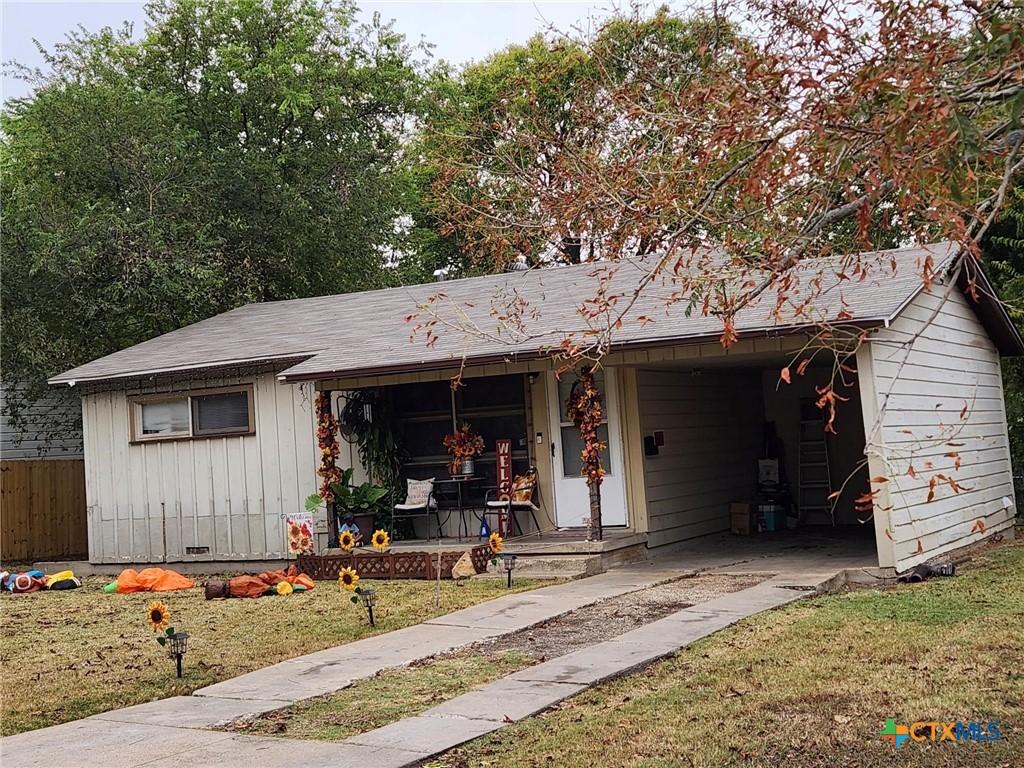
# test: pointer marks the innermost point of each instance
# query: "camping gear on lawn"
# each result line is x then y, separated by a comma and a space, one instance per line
266, 583
925, 571
216, 589
22, 583
152, 580
69, 582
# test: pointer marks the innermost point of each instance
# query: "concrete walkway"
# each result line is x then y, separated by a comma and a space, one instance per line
172, 732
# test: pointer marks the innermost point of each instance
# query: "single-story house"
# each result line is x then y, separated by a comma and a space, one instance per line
199, 442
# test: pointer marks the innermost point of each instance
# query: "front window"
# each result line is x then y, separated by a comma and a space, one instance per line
209, 413
165, 418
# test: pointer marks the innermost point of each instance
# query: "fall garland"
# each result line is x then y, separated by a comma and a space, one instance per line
583, 408
327, 439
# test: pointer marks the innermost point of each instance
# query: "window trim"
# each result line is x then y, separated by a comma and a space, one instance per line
135, 415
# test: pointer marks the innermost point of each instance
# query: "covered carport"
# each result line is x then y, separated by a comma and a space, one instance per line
715, 427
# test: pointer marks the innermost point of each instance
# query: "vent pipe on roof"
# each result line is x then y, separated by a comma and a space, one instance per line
519, 265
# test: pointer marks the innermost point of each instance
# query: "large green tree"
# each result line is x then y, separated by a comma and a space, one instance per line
233, 152
738, 146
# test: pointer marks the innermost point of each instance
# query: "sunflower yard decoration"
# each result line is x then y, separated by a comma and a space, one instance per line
381, 541
495, 542
348, 580
346, 540
176, 642
158, 616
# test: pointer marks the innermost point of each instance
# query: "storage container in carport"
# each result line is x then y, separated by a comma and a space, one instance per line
772, 517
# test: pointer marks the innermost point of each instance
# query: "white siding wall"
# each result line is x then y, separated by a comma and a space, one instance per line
923, 376
712, 425
148, 502
52, 428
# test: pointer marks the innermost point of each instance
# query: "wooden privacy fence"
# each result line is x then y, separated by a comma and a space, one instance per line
42, 509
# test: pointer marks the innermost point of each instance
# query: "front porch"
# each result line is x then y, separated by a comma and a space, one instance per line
555, 554
567, 554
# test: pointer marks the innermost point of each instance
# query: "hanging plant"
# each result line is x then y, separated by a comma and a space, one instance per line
327, 439
368, 419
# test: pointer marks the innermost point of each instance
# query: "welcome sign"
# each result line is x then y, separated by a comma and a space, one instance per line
504, 450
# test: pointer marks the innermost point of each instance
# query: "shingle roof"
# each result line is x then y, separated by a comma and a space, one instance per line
367, 333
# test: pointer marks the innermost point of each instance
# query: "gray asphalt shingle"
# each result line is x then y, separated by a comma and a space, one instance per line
365, 333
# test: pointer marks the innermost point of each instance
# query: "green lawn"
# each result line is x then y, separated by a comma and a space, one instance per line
68, 655
810, 685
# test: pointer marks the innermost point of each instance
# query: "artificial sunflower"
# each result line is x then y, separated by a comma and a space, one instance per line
294, 530
346, 540
495, 543
348, 579
158, 615
380, 540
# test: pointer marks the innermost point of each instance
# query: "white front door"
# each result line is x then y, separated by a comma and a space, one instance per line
572, 498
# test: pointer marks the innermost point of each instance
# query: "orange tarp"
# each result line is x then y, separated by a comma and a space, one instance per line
152, 580
255, 586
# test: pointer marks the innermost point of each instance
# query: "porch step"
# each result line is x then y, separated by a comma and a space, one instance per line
550, 567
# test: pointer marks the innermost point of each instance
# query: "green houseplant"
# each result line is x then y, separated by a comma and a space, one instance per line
363, 501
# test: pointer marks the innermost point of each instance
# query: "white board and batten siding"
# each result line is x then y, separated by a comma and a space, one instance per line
932, 389
710, 454
151, 502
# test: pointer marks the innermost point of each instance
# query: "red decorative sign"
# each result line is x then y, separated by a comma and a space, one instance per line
504, 451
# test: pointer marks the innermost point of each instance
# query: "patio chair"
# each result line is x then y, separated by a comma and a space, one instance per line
519, 498
419, 502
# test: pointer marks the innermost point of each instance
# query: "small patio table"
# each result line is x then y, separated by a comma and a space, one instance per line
457, 483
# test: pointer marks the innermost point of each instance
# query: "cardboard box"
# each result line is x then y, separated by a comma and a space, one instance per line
743, 520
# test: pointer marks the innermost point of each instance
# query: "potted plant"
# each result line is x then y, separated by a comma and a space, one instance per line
363, 501
464, 445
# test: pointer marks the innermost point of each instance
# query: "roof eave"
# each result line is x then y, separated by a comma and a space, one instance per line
991, 312
71, 380
529, 356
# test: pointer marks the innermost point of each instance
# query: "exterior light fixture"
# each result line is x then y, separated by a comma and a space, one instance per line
510, 563
176, 647
369, 597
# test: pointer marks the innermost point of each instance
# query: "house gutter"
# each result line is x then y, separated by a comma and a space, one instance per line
151, 373
533, 355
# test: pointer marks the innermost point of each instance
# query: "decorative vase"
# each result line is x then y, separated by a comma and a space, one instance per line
467, 466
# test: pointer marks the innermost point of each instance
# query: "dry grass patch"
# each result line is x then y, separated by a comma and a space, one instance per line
809, 685
68, 655
390, 696
400, 693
